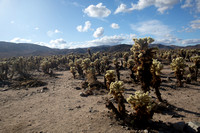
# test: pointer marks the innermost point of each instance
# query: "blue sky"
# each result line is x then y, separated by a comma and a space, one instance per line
85, 23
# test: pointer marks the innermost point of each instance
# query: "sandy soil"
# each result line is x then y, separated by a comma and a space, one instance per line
61, 109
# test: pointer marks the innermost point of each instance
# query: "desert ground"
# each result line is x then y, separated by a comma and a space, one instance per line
59, 108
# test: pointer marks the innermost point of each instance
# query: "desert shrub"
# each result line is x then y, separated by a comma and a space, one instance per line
20, 66
178, 65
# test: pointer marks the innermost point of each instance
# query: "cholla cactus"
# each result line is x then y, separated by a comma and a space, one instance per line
116, 88
141, 44
143, 60
86, 64
110, 77
130, 65
125, 56
142, 104
45, 65
196, 60
73, 71
117, 67
178, 66
3, 70
78, 67
156, 68
91, 77
97, 65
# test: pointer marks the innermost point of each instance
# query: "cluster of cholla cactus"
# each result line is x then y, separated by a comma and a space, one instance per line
143, 57
109, 77
195, 67
156, 80
4, 67
143, 106
178, 66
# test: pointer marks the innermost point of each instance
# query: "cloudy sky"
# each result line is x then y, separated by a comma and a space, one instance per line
84, 23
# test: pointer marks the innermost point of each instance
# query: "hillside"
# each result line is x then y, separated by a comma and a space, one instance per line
8, 49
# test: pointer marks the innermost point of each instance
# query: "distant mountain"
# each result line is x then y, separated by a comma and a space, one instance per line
8, 49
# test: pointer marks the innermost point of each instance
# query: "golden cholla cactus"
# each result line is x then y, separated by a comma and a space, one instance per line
196, 59
143, 57
178, 66
86, 63
130, 63
116, 88
141, 44
142, 104
156, 67
73, 71
110, 77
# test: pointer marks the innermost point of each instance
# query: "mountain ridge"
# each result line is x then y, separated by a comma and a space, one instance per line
9, 49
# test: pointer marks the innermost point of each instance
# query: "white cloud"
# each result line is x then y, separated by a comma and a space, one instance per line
194, 4
161, 5
195, 24
114, 26
190, 41
198, 5
50, 33
12, 22
86, 27
108, 40
58, 43
188, 3
98, 11
36, 28
99, 32
152, 27
20, 40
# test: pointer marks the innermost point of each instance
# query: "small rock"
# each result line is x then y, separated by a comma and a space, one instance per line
78, 106
77, 88
146, 131
192, 127
91, 109
82, 94
70, 109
